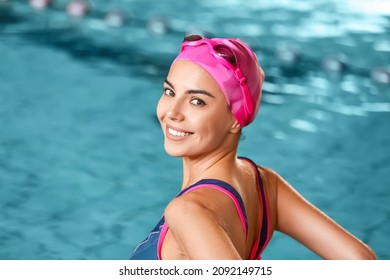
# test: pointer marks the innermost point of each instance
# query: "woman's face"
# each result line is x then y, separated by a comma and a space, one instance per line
193, 112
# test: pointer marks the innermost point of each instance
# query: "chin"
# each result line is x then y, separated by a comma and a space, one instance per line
178, 151
173, 151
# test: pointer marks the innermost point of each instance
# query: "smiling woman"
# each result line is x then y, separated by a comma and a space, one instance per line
196, 134
228, 206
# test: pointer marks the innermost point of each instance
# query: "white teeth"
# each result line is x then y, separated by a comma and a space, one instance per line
177, 133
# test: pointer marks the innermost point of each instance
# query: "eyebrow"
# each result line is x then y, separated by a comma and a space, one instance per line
192, 91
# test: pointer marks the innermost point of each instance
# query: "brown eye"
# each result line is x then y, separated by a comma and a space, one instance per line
168, 92
198, 102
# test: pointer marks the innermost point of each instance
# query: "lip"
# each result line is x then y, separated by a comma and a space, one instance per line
176, 137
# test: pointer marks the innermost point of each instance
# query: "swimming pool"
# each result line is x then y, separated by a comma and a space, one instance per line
83, 172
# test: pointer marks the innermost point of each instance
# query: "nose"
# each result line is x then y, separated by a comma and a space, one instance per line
175, 111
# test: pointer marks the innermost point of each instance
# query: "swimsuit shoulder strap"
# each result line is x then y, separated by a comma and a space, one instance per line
226, 189
214, 184
264, 232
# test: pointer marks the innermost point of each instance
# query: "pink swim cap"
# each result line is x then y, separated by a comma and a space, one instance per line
235, 68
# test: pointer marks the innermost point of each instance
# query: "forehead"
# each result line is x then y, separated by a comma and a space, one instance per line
192, 76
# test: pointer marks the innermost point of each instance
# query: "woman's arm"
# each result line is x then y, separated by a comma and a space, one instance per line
302, 221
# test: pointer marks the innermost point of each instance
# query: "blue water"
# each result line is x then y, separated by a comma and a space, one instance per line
83, 172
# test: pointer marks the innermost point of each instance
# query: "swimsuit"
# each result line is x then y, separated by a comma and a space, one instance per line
150, 248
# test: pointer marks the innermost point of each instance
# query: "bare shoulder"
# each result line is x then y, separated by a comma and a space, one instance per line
270, 183
197, 224
205, 200
189, 208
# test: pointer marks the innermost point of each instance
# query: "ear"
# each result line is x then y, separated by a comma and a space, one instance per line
235, 128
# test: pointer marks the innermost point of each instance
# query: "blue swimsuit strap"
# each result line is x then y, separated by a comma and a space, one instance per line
225, 186
264, 225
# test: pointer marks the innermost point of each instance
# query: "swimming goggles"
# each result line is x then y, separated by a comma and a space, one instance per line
225, 54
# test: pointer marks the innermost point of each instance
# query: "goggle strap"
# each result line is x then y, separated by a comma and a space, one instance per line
245, 91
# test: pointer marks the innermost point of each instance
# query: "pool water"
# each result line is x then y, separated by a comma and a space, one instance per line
83, 171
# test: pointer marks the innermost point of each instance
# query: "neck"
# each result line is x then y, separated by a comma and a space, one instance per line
213, 165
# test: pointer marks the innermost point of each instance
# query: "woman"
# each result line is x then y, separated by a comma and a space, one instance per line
228, 207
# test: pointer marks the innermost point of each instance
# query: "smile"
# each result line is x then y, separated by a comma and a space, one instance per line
178, 133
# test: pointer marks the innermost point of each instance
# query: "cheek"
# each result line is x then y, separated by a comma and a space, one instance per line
219, 125
213, 126
161, 109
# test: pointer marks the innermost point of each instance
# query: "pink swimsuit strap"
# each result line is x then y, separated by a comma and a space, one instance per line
265, 229
217, 185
